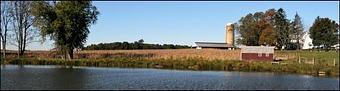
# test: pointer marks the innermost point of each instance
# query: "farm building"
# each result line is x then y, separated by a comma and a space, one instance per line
201, 45
265, 53
308, 42
228, 44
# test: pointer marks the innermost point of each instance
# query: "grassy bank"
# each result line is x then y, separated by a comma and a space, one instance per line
188, 64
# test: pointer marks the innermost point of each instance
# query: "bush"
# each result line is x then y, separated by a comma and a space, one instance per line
292, 46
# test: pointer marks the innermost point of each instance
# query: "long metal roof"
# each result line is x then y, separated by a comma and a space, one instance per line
213, 44
257, 49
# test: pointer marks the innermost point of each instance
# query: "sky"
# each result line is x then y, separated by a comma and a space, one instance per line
183, 23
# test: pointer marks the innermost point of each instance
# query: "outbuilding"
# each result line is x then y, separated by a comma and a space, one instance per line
216, 45
261, 53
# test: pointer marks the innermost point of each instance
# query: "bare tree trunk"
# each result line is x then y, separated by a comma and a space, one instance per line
20, 40
4, 45
24, 40
65, 53
1, 42
69, 53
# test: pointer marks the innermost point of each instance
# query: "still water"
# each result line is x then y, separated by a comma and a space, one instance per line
57, 77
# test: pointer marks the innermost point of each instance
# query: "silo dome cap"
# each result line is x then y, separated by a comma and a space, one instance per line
228, 24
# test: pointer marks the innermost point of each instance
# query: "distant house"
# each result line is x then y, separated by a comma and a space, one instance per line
201, 45
308, 42
264, 53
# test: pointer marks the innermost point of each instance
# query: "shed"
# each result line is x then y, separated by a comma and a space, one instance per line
264, 53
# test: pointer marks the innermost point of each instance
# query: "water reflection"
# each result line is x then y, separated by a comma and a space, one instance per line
3, 66
82, 78
67, 78
42, 77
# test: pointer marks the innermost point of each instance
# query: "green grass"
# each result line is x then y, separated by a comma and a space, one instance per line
319, 56
187, 64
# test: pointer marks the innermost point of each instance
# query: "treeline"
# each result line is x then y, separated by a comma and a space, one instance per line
273, 28
129, 46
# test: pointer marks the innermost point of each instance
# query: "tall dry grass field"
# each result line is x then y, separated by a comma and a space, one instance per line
208, 54
204, 54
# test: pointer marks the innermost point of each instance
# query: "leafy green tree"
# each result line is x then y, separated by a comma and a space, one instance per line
324, 32
281, 27
66, 22
140, 44
296, 27
247, 29
265, 25
257, 29
267, 36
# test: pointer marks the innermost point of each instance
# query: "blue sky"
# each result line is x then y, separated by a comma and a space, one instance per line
186, 22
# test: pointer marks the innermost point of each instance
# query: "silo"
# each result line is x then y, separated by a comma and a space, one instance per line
229, 34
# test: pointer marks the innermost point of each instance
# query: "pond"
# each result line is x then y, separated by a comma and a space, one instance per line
93, 78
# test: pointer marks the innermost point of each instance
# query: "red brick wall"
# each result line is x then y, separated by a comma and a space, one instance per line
255, 56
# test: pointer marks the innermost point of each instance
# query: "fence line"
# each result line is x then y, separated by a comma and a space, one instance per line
313, 60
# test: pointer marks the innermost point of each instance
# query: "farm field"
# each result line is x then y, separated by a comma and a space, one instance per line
188, 59
207, 54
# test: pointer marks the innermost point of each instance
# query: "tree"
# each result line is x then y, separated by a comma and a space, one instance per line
296, 31
22, 22
257, 29
281, 28
140, 44
247, 29
267, 36
66, 22
130, 46
324, 32
5, 21
238, 38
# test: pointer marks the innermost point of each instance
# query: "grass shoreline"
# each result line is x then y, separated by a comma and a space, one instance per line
198, 64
